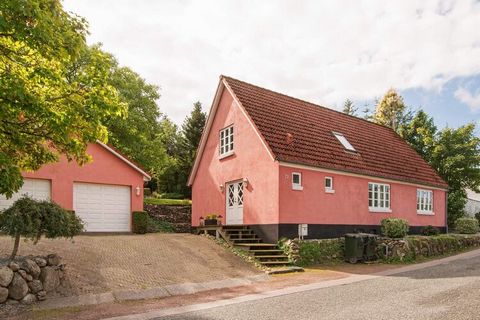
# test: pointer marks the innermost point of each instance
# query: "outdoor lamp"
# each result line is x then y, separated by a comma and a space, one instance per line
137, 190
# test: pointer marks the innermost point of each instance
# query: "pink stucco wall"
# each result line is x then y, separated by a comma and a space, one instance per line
106, 168
251, 161
349, 203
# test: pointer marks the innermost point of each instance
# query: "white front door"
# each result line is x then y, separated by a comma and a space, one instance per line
235, 203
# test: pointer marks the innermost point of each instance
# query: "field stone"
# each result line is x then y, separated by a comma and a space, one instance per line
50, 278
14, 266
29, 299
11, 302
41, 262
35, 286
53, 260
18, 287
31, 267
3, 294
6, 276
25, 275
42, 295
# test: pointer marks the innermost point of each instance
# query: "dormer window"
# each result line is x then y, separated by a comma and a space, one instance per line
226, 142
340, 137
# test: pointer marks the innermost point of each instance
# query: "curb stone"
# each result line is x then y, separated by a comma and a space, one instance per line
151, 293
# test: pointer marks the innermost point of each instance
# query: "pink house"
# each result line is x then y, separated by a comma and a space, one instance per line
282, 166
103, 193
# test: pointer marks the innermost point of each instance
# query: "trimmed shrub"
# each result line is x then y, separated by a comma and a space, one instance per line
394, 227
312, 252
430, 231
140, 222
466, 225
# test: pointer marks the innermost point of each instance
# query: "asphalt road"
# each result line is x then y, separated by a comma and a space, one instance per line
448, 291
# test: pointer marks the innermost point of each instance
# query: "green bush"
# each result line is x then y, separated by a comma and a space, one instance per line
477, 216
141, 221
466, 225
430, 231
33, 219
394, 227
321, 251
167, 202
155, 226
147, 192
172, 195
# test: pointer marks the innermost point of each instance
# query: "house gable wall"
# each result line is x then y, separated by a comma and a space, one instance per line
106, 168
251, 161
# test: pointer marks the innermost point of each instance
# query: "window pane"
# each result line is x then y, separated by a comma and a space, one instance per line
296, 178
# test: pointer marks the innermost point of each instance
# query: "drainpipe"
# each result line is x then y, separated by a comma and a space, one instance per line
446, 211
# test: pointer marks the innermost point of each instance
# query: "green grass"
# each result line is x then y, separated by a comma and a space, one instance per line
168, 202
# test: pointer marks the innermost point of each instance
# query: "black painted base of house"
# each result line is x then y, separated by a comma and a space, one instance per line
274, 232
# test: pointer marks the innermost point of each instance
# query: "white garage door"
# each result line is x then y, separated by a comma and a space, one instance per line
36, 188
103, 207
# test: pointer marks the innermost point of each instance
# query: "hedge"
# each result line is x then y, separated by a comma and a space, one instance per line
466, 225
140, 222
394, 227
322, 251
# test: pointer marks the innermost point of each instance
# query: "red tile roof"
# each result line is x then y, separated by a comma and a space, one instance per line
380, 151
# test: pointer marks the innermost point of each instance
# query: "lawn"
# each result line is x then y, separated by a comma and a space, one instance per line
168, 202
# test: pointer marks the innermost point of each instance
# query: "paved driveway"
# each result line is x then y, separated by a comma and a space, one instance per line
448, 291
115, 262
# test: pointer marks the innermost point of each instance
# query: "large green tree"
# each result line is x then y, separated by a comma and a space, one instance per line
54, 89
420, 132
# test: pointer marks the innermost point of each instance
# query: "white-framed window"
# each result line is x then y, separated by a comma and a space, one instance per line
378, 197
329, 185
341, 138
424, 201
226, 141
297, 181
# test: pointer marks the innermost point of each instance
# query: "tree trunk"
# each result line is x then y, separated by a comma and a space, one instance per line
15, 247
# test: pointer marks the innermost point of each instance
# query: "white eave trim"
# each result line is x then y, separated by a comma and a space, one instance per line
146, 176
346, 173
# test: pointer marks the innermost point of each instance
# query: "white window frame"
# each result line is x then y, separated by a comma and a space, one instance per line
297, 186
380, 196
344, 141
226, 142
329, 189
425, 202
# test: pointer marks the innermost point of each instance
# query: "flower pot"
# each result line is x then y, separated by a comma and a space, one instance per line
211, 222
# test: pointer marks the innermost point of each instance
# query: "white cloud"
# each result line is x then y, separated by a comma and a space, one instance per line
471, 100
321, 51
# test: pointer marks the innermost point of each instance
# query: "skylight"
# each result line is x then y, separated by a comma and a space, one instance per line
340, 137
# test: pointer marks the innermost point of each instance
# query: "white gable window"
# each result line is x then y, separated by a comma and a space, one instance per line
226, 141
340, 137
297, 181
329, 185
424, 201
378, 197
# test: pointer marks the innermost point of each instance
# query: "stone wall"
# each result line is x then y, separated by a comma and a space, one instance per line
179, 216
30, 279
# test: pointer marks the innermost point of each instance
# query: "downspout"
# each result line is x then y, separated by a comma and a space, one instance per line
446, 211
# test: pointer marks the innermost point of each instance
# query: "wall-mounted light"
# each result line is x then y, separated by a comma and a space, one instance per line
221, 187
137, 190
245, 182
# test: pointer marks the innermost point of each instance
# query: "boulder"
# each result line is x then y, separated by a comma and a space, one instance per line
50, 278
35, 286
31, 267
42, 295
14, 266
18, 287
3, 294
25, 275
29, 299
6, 276
53, 260
41, 262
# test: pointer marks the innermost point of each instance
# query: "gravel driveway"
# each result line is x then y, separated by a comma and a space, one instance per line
99, 263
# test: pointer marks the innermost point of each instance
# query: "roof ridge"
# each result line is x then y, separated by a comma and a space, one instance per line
308, 102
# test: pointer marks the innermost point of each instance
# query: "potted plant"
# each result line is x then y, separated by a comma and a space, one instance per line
211, 220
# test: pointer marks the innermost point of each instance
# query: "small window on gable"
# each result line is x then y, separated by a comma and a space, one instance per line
340, 137
226, 141
297, 181
329, 185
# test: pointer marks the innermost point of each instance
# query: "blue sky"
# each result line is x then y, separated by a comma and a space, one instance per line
319, 51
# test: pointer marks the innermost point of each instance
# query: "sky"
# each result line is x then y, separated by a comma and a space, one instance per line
321, 51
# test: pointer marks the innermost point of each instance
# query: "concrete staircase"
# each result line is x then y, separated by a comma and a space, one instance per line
267, 254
